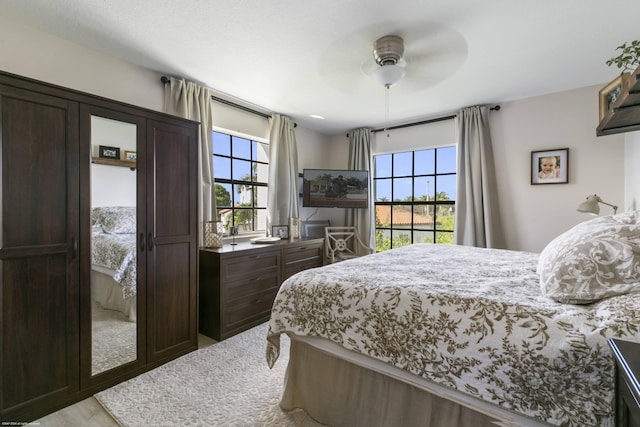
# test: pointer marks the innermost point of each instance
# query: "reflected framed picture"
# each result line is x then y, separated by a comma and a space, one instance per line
281, 231
109, 152
550, 166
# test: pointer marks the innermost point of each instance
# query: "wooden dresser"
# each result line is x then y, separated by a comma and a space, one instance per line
627, 356
239, 283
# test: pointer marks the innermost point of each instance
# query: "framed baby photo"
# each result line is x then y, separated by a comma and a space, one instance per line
550, 166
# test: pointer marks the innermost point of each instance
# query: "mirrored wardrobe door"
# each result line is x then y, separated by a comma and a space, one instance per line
111, 296
113, 244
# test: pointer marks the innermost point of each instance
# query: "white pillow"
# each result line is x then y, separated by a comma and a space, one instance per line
115, 219
594, 260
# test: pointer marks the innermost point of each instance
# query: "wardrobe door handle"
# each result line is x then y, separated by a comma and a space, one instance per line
74, 247
150, 242
141, 242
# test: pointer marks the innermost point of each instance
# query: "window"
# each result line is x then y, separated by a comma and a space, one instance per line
241, 172
415, 193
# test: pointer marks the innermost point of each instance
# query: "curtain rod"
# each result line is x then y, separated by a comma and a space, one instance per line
424, 122
165, 80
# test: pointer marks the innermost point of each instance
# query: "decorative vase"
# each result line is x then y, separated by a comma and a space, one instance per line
295, 228
213, 232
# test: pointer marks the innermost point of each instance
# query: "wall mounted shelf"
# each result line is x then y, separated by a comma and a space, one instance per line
624, 114
114, 162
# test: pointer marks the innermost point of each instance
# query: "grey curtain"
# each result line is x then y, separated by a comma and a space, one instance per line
360, 159
283, 198
476, 218
191, 101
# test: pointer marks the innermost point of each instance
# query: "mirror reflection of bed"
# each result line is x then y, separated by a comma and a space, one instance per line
113, 250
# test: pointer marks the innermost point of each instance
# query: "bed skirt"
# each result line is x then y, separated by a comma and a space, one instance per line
108, 293
340, 392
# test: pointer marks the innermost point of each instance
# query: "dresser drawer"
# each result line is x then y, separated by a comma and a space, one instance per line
238, 268
302, 253
249, 311
253, 285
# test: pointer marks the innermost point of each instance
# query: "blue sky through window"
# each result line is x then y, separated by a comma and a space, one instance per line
397, 170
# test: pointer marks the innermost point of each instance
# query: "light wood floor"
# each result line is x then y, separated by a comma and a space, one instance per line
89, 412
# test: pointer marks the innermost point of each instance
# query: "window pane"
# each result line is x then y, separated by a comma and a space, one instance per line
400, 238
243, 195
263, 152
261, 219
383, 165
420, 186
401, 216
446, 187
223, 195
221, 167
402, 189
422, 237
221, 144
424, 162
444, 238
383, 240
423, 217
383, 216
262, 173
445, 217
446, 160
383, 190
261, 197
402, 164
241, 170
241, 148
243, 219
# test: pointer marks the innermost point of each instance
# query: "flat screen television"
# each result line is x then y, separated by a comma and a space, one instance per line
331, 188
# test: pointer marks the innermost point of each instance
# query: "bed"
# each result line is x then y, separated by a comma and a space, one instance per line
113, 259
456, 335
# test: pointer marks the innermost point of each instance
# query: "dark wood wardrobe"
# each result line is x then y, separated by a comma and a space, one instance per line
45, 253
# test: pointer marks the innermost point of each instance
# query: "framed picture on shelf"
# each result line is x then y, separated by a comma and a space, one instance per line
281, 231
609, 94
130, 155
109, 152
550, 166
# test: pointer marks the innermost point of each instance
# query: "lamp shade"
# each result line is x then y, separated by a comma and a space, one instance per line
590, 206
388, 75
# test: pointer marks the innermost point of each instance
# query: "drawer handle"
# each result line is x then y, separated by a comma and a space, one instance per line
303, 248
253, 256
257, 300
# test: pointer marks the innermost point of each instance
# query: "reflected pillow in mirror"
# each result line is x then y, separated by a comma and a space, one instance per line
115, 219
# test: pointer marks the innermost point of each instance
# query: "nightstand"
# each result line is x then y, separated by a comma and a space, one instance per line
627, 356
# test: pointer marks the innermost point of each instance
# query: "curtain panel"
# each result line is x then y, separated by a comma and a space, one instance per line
360, 159
192, 101
477, 221
282, 199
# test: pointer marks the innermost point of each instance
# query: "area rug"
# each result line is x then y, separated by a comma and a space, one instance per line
226, 384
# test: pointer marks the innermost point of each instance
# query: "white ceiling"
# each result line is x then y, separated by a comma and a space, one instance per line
301, 57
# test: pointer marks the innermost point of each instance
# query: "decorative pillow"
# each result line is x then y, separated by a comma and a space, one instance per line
596, 259
115, 219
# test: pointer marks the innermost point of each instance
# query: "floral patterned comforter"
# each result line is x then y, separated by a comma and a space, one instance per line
470, 319
117, 252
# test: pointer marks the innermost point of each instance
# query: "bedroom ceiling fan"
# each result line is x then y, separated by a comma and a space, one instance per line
427, 52
387, 52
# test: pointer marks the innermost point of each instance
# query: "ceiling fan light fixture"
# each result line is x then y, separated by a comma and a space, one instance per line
388, 75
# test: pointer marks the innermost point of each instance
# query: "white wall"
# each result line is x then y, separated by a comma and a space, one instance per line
632, 171
533, 215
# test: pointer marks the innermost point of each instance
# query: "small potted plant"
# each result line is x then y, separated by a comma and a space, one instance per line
629, 59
